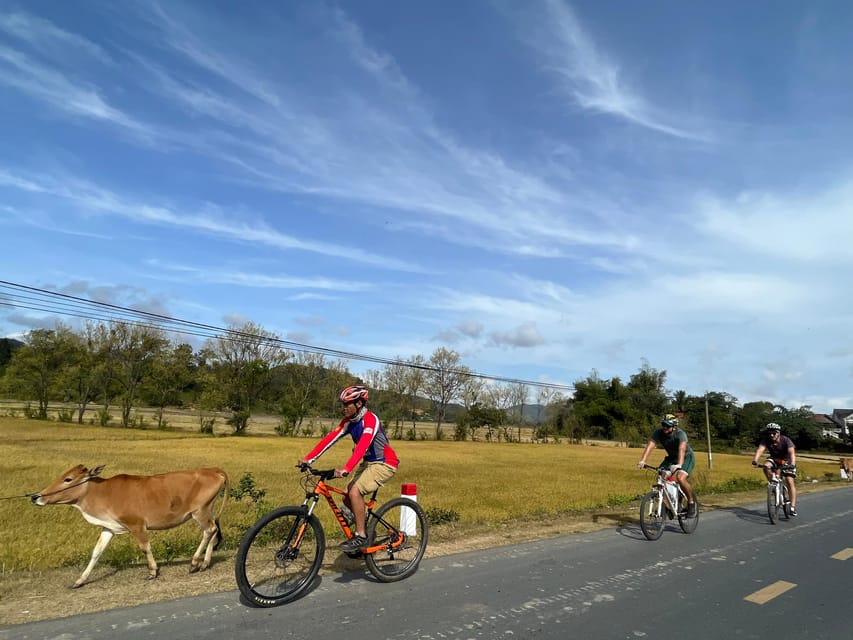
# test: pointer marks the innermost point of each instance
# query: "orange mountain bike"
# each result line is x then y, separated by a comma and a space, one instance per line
280, 555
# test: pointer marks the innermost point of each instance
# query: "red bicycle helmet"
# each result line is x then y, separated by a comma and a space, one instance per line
354, 393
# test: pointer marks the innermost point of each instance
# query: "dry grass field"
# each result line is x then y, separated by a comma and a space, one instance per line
499, 493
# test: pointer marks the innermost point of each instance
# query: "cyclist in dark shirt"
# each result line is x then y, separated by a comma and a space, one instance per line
782, 455
679, 456
376, 460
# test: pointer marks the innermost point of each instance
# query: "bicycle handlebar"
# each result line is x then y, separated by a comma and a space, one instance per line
784, 466
323, 474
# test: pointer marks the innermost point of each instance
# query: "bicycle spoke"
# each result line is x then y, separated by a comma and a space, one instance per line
400, 526
652, 515
279, 557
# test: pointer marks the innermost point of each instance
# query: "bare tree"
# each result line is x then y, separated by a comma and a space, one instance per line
443, 381
304, 389
395, 381
518, 399
471, 392
415, 381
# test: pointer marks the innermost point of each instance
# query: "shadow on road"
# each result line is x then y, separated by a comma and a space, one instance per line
756, 516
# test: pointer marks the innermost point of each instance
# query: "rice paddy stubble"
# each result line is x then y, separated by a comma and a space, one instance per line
488, 484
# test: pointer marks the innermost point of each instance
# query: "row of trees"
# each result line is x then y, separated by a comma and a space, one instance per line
244, 371
613, 410
248, 370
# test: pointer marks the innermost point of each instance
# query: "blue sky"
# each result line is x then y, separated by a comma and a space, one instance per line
546, 188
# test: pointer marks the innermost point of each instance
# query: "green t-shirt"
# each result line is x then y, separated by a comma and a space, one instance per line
671, 442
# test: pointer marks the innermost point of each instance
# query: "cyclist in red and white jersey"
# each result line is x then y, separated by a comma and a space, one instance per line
377, 463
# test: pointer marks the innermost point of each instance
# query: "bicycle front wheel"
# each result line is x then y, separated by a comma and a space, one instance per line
652, 515
401, 526
279, 557
772, 503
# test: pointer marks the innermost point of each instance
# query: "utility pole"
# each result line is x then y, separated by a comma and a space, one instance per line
708, 432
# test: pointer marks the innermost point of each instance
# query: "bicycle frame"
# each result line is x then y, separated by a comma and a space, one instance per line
327, 491
665, 481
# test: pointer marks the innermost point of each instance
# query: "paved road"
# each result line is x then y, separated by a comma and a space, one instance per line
737, 576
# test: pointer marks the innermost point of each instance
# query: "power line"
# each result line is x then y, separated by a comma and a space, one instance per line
19, 296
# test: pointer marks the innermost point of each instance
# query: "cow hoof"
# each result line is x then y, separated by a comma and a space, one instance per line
150, 577
76, 585
194, 569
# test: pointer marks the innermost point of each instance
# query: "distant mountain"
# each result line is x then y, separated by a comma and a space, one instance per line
7, 347
533, 413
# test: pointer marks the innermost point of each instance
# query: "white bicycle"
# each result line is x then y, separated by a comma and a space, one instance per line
665, 501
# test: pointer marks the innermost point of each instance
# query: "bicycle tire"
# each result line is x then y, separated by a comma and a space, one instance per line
772, 503
688, 524
269, 571
652, 515
786, 502
384, 525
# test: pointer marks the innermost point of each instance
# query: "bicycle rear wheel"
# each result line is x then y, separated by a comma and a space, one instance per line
279, 556
652, 515
772, 503
688, 524
786, 502
401, 525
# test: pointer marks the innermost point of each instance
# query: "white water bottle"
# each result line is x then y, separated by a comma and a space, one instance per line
672, 493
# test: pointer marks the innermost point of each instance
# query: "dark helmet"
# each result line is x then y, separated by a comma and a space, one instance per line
669, 420
354, 393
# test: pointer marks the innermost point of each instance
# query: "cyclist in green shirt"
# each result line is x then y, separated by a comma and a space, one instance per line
679, 456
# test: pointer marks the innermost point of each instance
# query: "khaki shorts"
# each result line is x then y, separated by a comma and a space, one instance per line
371, 475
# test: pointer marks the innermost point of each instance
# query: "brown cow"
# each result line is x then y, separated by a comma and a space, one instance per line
846, 465
139, 504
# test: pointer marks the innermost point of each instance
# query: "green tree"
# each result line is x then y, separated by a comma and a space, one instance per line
170, 372
603, 408
798, 425
243, 361
750, 419
648, 396
137, 347
35, 370
722, 408
478, 417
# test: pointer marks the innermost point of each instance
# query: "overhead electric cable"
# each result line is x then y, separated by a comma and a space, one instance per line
19, 296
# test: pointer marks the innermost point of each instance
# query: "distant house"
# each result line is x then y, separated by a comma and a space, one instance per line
827, 426
843, 419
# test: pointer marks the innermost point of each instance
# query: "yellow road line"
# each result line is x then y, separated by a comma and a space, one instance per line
844, 554
769, 592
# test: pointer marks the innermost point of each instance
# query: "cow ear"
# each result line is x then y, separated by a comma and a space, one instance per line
96, 471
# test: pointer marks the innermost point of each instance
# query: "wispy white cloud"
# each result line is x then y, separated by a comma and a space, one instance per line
592, 80
388, 154
92, 198
781, 225
48, 39
261, 280
19, 71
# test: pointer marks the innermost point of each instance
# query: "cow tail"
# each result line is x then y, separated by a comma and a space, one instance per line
221, 508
